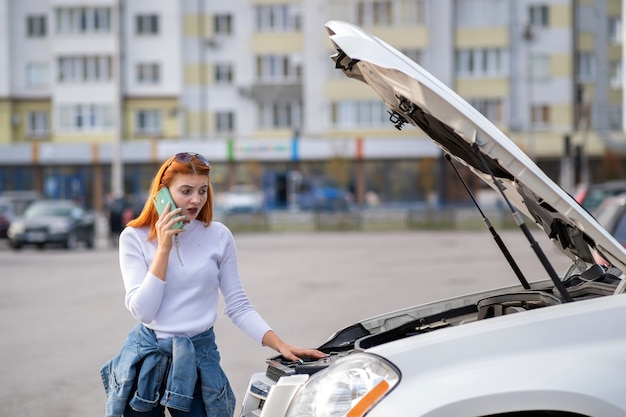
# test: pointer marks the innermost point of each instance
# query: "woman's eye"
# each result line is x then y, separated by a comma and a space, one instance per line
202, 192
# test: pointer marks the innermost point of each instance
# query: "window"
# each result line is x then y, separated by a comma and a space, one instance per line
615, 30
83, 19
539, 16
278, 18
148, 73
539, 67
147, 24
281, 114
223, 24
148, 122
102, 19
386, 13
36, 26
37, 124
279, 67
350, 114
84, 69
37, 75
585, 66
540, 116
616, 74
480, 13
224, 74
491, 108
375, 13
225, 122
481, 62
84, 117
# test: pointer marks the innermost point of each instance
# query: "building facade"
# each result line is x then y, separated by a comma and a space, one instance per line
94, 94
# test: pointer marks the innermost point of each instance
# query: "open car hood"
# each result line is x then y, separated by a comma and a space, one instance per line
416, 97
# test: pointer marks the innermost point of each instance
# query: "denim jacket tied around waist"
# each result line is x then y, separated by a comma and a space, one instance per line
144, 361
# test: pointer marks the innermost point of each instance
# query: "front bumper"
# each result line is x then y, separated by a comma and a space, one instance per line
261, 401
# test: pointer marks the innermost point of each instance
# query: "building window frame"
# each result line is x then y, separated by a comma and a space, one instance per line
37, 124
279, 68
280, 114
225, 122
147, 24
148, 73
224, 73
615, 30
540, 116
36, 26
223, 24
350, 114
539, 15
278, 18
148, 122
481, 62
37, 75
83, 19
616, 74
84, 117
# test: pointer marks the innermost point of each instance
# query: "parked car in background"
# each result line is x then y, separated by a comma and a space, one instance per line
63, 222
611, 214
241, 198
322, 194
590, 196
12, 205
551, 345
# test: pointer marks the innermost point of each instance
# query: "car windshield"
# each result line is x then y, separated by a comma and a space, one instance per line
42, 210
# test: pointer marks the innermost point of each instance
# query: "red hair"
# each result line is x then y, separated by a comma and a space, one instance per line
164, 178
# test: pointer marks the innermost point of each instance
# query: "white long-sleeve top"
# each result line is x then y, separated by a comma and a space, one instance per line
186, 303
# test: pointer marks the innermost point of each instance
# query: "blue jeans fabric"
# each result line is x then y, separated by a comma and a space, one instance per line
149, 374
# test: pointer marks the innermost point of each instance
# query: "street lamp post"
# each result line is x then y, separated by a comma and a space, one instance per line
529, 37
117, 173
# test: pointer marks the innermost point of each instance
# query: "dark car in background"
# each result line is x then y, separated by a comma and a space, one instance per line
63, 222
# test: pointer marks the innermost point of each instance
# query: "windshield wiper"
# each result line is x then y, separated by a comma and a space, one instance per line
494, 233
519, 220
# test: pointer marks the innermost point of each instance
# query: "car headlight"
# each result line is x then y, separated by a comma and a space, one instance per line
15, 228
349, 387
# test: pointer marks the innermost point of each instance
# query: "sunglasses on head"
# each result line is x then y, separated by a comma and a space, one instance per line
184, 157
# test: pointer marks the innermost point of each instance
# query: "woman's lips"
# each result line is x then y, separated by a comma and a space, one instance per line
192, 211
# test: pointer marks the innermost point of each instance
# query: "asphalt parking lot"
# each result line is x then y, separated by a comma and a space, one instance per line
63, 313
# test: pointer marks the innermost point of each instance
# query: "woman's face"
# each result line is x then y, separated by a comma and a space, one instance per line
190, 192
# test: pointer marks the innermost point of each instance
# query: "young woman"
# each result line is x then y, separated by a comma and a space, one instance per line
172, 276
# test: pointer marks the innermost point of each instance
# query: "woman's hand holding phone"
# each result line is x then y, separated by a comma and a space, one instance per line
165, 203
167, 226
170, 220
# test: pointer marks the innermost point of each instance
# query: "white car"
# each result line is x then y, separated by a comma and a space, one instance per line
548, 347
241, 198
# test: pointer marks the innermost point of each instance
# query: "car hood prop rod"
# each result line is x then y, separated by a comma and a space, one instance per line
494, 233
519, 220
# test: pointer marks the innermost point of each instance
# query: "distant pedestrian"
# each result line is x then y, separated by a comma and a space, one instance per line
115, 212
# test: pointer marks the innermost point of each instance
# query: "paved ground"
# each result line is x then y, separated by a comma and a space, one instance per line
63, 315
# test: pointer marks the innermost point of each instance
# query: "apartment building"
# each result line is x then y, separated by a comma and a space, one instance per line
94, 94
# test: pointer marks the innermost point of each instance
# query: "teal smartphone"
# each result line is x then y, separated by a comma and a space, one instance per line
160, 201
